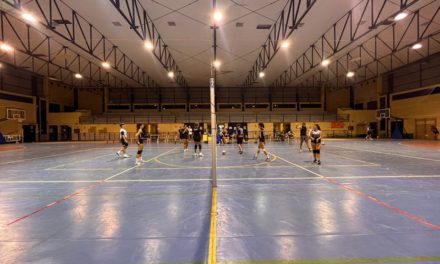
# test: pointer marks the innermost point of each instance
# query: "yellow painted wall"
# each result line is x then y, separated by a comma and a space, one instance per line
416, 108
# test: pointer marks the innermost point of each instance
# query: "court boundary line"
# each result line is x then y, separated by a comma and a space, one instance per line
212, 248
369, 197
82, 190
48, 156
380, 177
386, 153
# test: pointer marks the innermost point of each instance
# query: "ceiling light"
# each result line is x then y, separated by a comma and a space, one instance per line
5, 47
350, 74
28, 17
78, 76
148, 45
216, 63
417, 46
400, 16
325, 63
218, 16
261, 74
171, 74
285, 44
106, 65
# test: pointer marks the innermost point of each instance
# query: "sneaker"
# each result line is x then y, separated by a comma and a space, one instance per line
267, 158
314, 161
319, 162
137, 163
143, 161
201, 154
195, 154
126, 156
118, 154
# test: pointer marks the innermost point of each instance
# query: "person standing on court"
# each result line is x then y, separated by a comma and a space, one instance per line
197, 137
369, 133
140, 135
240, 138
315, 136
184, 135
123, 137
303, 137
261, 143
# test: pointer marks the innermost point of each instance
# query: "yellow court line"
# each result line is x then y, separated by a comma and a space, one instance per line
212, 251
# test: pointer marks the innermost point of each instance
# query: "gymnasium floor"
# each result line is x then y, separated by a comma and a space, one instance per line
370, 202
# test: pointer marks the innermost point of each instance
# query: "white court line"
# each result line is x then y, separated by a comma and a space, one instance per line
229, 179
226, 168
48, 156
78, 161
362, 161
387, 153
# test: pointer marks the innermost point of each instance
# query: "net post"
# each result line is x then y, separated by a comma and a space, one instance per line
213, 133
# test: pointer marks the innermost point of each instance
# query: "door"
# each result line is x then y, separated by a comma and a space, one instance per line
53, 133
423, 128
29, 133
66, 133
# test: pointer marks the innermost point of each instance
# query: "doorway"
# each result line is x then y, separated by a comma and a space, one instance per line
29, 133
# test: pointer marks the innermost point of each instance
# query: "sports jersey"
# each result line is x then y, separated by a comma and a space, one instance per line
316, 135
303, 131
240, 132
197, 134
122, 133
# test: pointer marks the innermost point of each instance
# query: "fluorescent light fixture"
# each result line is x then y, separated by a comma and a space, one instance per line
261, 74
218, 16
216, 63
285, 44
350, 74
148, 45
106, 65
400, 16
171, 74
417, 46
29, 17
5, 47
325, 63
78, 76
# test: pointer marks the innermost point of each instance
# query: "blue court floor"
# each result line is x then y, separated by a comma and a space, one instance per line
369, 202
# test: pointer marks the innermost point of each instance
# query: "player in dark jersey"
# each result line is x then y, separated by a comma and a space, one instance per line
303, 137
184, 135
197, 137
261, 142
315, 136
123, 137
140, 135
240, 138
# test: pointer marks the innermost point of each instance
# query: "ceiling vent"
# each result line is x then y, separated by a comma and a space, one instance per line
171, 23
264, 26
239, 24
116, 24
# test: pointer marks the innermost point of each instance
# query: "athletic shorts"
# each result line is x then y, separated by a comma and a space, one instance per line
197, 139
124, 143
240, 140
140, 142
316, 141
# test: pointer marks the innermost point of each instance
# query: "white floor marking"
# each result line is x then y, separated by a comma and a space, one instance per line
387, 153
228, 179
362, 161
48, 156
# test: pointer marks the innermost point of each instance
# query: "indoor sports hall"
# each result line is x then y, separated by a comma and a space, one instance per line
219, 131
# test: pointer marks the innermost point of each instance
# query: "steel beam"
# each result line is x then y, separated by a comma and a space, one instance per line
137, 17
366, 17
289, 20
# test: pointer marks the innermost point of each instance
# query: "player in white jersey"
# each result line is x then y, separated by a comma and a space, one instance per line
123, 137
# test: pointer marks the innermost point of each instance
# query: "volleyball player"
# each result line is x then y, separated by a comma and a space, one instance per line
240, 138
140, 135
123, 137
197, 137
315, 136
184, 135
261, 142
303, 137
